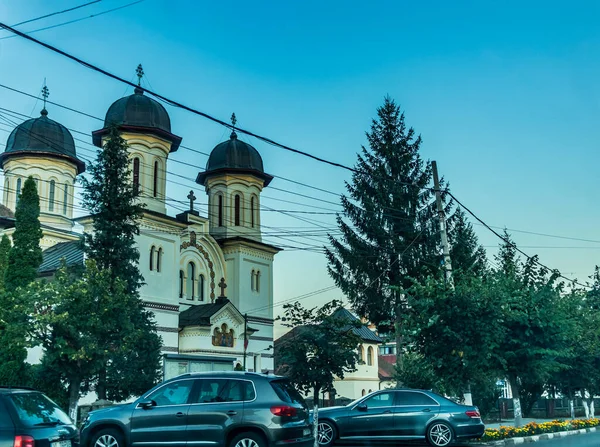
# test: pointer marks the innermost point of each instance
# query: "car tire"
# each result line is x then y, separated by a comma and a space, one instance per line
326, 433
248, 439
108, 437
439, 434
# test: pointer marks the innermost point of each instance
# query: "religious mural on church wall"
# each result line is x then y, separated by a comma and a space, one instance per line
222, 337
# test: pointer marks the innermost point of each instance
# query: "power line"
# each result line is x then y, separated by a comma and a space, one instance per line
78, 20
56, 13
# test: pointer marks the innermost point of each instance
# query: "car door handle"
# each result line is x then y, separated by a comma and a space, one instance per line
231, 413
180, 415
426, 410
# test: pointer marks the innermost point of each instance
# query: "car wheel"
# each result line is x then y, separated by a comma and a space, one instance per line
439, 434
326, 433
248, 439
109, 437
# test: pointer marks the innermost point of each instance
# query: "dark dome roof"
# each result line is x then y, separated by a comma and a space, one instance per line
234, 155
44, 136
141, 114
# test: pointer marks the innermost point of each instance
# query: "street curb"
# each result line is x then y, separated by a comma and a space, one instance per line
536, 438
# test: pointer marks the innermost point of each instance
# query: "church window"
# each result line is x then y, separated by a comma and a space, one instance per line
252, 203
136, 174
152, 251
364, 392
159, 259
155, 187
189, 287
257, 282
181, 278
6, 190
201, 288
220, 211
370, 356
237, 210
66, 198
361, 354
18, 188
253, 280
51, 195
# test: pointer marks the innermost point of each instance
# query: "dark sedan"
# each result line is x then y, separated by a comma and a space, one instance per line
396, 415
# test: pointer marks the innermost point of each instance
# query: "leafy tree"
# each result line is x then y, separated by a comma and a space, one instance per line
535, 339
320, 347
389, 230
129, 340
25, 257
468, 257
5, 247
13, 342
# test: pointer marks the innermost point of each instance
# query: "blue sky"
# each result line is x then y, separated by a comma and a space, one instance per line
506, 96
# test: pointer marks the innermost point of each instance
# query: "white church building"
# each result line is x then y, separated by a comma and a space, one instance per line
208, 279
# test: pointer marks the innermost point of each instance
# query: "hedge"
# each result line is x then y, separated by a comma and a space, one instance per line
534, 428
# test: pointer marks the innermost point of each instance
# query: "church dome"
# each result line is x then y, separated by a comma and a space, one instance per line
138, 113
233, 156
42, 136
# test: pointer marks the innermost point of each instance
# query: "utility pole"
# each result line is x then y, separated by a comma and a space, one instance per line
446, 249
443, 232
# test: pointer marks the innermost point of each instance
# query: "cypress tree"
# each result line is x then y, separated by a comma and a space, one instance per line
389, 227
25, 257
5, 247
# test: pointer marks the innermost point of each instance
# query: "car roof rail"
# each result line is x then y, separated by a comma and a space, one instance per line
16, 387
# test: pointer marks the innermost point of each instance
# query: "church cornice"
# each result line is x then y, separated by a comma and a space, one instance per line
237, 243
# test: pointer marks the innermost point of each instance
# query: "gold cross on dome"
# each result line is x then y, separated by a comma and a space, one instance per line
140, 74
45, 93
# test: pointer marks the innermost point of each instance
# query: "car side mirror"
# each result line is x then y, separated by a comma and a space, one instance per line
147, 404
362, 407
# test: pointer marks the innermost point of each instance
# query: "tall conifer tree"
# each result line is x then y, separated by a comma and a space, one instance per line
5, 247
112, 199
26, 255
389, 225
468, 257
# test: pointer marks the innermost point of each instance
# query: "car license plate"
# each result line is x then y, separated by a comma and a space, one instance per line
306, 432
66, 443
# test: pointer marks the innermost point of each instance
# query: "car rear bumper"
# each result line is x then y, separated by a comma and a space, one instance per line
473, 430
298, 435
303, 442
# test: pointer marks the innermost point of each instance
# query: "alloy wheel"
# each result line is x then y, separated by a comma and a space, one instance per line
440, 435
247, 442
106, 441
325, 433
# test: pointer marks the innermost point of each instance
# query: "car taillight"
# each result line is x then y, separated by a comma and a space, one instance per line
24, 441
473, 414
284, 410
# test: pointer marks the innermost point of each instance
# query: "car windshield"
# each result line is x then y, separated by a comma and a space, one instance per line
35, 409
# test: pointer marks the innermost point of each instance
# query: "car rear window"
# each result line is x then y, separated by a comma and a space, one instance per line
35, 409
287, 393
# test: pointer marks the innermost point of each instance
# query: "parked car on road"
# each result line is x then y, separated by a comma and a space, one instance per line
402, 414
28, 418
224, 409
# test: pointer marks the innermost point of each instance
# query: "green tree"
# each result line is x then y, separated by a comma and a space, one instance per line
308, 354
389, 230
13, 342
5, 247
468, 257
25, 257
128, 338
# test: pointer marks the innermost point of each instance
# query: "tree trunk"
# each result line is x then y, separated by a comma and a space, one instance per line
101, 386
572, 407
467, 396
592, 410
74, 388
586, 407
516, 393
316, 415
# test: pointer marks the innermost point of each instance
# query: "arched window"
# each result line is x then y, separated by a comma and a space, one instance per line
6, 190
237, 210
18, 189
201, 288
152, 251
253, 280
51, 195
364, 392
155, 186
136, 174
189, 287
181, 278
252, 211
66, 198
361, 354
257, 281
220, 211
159, 259
370, 356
